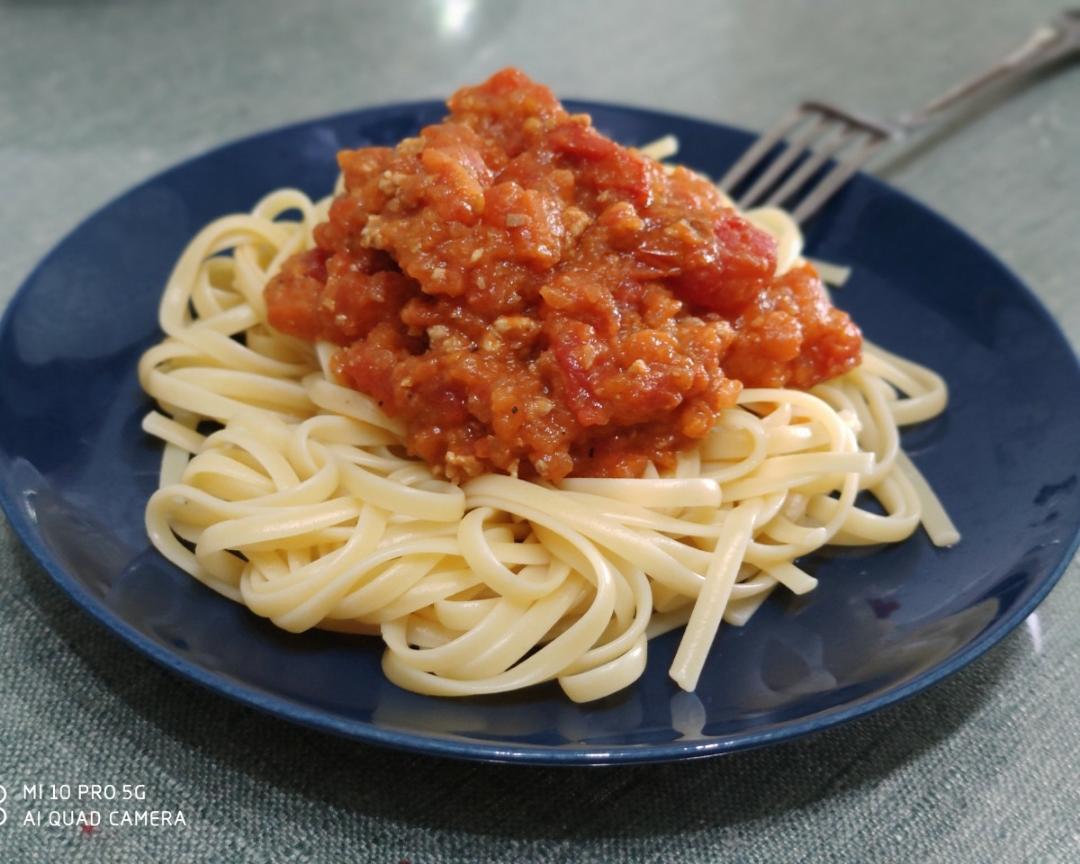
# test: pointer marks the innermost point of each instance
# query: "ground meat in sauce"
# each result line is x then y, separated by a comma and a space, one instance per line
530, 297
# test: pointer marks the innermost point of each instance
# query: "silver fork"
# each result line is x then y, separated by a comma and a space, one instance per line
816, 132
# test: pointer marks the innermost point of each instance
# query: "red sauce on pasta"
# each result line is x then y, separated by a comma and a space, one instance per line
528, 296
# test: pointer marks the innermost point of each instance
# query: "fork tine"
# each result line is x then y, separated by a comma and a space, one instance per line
759, 148
810, 166
795, 148
835, 178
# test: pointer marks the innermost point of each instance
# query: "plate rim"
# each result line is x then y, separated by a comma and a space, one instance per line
487, 751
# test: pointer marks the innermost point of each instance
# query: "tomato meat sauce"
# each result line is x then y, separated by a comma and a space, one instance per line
530, 297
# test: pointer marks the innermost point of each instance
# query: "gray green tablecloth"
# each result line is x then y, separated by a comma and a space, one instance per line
96, 95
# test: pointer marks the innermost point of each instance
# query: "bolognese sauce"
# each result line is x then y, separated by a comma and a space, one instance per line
530, 297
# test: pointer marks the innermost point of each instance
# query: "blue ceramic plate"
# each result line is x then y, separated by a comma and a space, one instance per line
75, 473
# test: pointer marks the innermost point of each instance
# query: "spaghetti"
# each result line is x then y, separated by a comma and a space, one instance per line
303, 505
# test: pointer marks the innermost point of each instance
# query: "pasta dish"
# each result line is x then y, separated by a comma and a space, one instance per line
516, 399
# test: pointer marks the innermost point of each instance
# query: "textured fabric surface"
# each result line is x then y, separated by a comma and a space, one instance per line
95, 96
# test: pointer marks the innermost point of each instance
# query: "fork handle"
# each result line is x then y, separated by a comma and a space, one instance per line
1048, 44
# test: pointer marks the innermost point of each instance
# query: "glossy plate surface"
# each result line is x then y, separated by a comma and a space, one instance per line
76, 470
